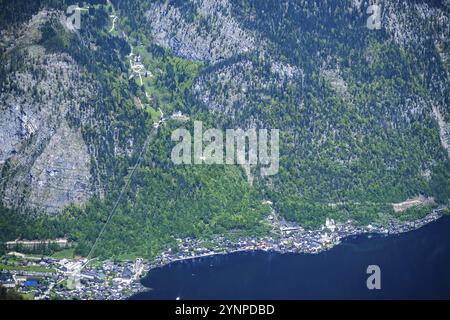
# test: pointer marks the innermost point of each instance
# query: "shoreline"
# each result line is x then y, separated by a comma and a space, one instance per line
108, 280
328, 243
328, 240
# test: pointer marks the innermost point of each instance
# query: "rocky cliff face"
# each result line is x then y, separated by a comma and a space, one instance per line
418, 25
44, 160
233, 88
200, 30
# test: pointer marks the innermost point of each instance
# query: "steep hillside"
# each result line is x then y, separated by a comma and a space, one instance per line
363, 116
39, 90
363, 113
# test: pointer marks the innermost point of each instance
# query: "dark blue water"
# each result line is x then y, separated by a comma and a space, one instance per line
414, 265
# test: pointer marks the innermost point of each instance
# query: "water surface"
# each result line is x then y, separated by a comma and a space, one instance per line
414, 265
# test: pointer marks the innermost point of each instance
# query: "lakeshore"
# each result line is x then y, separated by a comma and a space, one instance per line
413, 265
288, 238
108, 280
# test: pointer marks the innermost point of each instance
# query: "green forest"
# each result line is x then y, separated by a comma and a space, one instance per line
342, 155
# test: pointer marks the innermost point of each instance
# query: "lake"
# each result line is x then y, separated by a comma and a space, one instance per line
414, 265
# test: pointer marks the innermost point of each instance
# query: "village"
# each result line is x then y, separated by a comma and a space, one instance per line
68, 278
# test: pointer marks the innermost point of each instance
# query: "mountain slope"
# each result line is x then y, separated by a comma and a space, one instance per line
363, 116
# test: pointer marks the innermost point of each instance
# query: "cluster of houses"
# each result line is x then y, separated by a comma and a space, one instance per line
72, 279
49, 278
138, 68
287, 237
